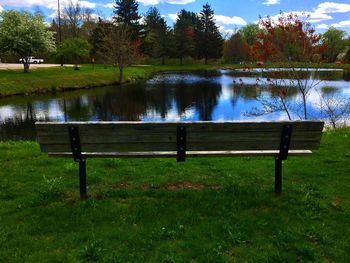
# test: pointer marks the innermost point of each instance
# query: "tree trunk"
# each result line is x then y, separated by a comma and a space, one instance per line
206, 60
121, 74
180, 60
26, 67
305, 108
163, 60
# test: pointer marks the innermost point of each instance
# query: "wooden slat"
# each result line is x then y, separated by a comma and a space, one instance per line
135, 147
115, 137
189, 154
201, 136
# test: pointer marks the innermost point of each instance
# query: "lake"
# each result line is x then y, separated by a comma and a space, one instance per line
212, 95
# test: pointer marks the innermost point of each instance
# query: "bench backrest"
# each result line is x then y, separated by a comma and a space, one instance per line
107, 137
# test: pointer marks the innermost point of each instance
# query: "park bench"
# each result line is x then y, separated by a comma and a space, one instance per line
83, 140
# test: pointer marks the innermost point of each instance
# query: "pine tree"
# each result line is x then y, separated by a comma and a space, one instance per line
126, 14
157, 41
184, 34
209, 42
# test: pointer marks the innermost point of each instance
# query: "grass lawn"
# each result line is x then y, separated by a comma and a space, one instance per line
43, 80
157, 210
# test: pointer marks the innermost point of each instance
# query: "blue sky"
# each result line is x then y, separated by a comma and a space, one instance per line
230, 14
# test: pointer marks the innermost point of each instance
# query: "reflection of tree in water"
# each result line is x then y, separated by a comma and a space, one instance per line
206, 98
22, 125
126, 103
159, 98
77, 108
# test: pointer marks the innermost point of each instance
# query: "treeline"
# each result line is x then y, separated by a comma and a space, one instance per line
193, 35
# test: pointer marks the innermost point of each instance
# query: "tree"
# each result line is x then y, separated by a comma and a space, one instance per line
184, 34
73, 14
96, 37
118, 47
24, 34
288, 39
209, 42
73, 50
250, 33
126, 13
157, 42
235, 49
334, 40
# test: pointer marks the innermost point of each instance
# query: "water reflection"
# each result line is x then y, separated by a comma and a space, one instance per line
166, 97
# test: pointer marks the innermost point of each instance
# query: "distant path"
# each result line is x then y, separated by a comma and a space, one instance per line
4, 66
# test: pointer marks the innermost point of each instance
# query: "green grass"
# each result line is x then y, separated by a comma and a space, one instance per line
46, 80
15, 82
157, 210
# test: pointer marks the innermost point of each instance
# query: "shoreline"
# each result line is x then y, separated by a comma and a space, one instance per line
100, 76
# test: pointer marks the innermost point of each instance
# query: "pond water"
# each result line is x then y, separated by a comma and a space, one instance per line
213, 95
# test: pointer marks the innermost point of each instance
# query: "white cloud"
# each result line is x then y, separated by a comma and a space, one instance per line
322, 26
173, 17
173, 2
1, 9
226, 32
271, 2
332, 7
51, 4
110, 5
345, 23
234, 20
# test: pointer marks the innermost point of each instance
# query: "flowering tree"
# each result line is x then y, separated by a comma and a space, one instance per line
288, 39
24, 34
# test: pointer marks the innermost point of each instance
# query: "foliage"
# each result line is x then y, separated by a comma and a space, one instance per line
250, 33
334, 40
73, 50
209, 42
119, 48
235, 49
126, 13
24, 34
158, 41
184, 34
288, 39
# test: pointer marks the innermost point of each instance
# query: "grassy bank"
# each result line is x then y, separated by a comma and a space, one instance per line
46, 80
156, 210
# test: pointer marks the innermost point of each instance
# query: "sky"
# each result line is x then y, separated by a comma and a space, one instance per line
230, 15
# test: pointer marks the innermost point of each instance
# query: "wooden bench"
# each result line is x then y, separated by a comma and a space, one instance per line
83, 140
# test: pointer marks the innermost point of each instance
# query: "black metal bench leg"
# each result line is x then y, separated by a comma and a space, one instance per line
82, 179
278, 176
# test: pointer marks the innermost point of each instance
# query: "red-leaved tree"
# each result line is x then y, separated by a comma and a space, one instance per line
288, 39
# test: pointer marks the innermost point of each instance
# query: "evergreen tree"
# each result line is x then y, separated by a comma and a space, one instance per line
209, 42
126, 14
158, 39
96, 38
184, 34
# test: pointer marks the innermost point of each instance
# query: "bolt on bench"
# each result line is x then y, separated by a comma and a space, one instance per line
83, 140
